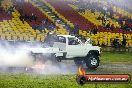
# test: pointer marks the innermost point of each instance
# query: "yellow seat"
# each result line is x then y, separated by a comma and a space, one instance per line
109, 41
21, 37
96, 40
31, 38
42, 38
100, 41
9, 37
38, 38
26, 38
3, 37
14, 37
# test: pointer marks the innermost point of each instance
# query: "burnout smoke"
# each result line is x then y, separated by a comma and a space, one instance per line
18, 56
11, 56
61, 68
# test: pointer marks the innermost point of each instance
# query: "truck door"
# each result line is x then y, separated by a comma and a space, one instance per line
75, 48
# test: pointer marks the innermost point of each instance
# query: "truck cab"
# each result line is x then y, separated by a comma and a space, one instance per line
73, 46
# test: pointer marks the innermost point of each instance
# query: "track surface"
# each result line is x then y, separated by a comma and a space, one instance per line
105, 68
70, 68
113, 68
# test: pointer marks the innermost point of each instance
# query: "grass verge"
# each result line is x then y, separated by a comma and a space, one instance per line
49, 81
110, 57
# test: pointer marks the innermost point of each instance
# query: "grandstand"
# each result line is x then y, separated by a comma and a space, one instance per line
30, 20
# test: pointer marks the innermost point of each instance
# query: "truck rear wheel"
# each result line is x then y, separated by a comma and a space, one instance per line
92, 61
54, 60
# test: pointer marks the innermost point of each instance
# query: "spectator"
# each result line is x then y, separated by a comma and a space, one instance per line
95, 30
108, 25
50, 39
27, 17
22, 17
103, 24
103, 19
124, 41
10, 10
21, 11
35, 26
123, 27
44, 24
83, 39
112, 27
115, 42
45, 21
129, 29
71, 31
76, 29
32, 17
90, 31
99, 17
51, 26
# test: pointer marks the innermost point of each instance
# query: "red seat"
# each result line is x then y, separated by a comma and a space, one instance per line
28, 9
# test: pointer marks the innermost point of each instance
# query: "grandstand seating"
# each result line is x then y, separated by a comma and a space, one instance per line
61, 29
92, 17
71, 14
28, 9
14, 29
4, 16
6, 4
58, 14
17, 31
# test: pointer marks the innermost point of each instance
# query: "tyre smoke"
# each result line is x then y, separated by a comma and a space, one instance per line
17, 56
11, 56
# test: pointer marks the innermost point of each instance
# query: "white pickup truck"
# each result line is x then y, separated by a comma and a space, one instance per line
67, 47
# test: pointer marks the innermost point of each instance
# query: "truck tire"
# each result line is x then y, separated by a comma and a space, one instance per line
53, 59
92, 61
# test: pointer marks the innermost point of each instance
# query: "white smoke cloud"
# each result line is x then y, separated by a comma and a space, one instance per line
18, 56
61, 68
14, 56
